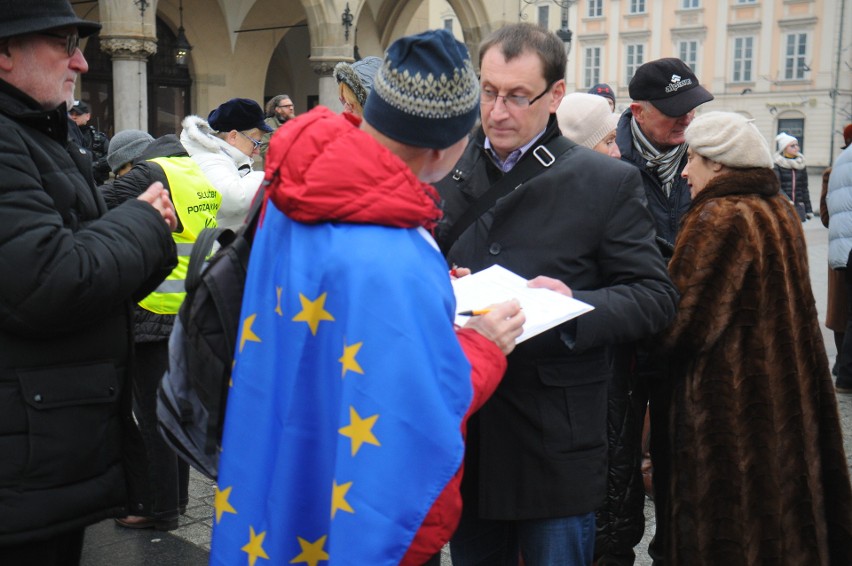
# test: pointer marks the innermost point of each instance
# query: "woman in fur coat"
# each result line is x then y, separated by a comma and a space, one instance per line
759, 474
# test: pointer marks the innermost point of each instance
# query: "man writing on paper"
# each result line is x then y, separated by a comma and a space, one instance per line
536, 451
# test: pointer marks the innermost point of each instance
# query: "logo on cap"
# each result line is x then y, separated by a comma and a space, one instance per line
676, 83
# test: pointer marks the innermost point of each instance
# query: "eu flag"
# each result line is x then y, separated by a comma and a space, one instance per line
348, 392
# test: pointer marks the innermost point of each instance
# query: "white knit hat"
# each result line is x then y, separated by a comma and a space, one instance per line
784, 139
585, 119
730, 139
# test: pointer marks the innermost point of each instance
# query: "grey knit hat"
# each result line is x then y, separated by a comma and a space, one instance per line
426, 93
358, 76
126, 146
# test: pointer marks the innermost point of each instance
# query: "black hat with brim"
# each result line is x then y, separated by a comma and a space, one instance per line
670, 85
21, 17
238, 114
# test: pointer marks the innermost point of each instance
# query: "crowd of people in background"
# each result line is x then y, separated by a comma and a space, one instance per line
681, 227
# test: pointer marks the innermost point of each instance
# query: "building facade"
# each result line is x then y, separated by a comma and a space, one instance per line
785, 63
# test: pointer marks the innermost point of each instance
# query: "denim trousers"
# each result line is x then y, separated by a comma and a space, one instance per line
561, 541
167, 485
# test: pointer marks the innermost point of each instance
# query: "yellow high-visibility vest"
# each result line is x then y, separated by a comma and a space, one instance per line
196, 203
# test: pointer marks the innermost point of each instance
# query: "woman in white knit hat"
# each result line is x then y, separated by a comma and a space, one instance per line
588, 120
791, 171
759, 475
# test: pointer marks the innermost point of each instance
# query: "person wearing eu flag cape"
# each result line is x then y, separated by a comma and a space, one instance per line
343, 439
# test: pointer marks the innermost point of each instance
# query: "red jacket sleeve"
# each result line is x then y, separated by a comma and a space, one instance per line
488, 364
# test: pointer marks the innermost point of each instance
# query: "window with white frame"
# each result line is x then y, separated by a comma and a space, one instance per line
637, 6
688, 53
795, 56
595, 8
746, 1
635, 58
690, 4
743, 59
591, 66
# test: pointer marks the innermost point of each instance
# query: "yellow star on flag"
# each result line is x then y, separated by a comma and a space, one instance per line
254, 548
360, 430
248, 335
348, 359
313, 312
221, 503
338, 498
278, 310
312, 552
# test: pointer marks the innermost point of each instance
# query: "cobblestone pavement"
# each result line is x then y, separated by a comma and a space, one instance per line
189, 545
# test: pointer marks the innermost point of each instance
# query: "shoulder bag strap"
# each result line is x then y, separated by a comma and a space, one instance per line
543, 156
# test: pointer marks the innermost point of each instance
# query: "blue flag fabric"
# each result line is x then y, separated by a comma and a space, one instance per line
348, 392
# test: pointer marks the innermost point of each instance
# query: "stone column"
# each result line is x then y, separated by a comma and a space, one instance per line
327, 85
129, 80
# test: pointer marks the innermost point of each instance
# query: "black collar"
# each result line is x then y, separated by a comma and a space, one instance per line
20, 107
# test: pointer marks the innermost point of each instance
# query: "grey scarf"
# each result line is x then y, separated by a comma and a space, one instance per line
663, 164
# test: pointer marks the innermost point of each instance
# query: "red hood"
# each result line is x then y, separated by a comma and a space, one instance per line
329, 170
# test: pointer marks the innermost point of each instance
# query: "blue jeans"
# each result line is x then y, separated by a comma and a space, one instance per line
563, 541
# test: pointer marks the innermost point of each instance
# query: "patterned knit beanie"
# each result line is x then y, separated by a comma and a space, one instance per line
730, 139
426, 93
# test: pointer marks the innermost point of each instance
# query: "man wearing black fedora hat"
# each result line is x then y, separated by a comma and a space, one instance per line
71, 272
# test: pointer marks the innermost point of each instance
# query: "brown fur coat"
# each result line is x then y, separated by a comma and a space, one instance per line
759, 474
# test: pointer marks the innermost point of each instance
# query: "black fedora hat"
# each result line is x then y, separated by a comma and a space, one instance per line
20, 17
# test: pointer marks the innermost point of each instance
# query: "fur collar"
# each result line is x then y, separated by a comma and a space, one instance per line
755, 181
197, 136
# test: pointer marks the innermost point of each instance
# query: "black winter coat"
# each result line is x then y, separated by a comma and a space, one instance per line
538, 447
70, 270
800, 176
666, 210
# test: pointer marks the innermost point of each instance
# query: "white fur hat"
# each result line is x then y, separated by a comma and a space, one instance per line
585, 119
784, 139
730, 139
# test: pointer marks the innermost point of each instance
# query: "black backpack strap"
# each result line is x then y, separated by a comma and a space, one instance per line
253, 216
543, 156
203, 245
201, 250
